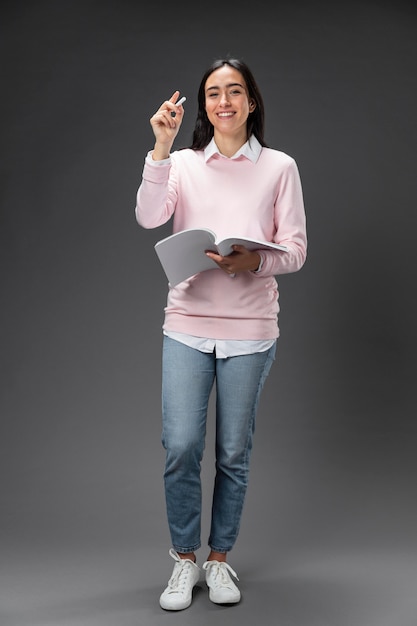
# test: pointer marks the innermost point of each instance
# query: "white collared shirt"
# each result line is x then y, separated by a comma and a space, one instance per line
251, 149
224, 347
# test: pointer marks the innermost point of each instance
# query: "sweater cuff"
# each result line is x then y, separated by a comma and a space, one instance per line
149, 160
261, 262
156, 171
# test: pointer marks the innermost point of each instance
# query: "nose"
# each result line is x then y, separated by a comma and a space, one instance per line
224, 100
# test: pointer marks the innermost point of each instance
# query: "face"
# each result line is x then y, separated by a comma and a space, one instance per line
227, 102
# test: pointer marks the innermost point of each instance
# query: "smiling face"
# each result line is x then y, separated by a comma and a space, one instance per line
227, 103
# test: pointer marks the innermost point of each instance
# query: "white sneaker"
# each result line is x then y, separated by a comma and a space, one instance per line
179, 593
222, 589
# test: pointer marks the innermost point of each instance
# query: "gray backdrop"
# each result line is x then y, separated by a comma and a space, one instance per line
328, 535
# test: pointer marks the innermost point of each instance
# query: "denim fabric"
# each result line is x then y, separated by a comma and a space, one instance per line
188, 377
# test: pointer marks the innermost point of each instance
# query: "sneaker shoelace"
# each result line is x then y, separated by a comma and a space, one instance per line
220, 572
182, 569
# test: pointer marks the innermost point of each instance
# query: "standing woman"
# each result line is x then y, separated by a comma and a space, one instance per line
220, 325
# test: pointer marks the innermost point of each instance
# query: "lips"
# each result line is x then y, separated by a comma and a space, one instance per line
224, 115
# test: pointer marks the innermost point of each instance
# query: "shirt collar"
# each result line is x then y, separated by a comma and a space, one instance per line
251, 150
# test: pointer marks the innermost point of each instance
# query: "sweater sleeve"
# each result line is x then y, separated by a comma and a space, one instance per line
156, 197
290, 223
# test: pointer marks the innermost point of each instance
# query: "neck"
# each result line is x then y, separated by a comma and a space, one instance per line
229, 145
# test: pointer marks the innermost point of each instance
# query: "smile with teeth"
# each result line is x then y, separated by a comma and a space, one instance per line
226, 114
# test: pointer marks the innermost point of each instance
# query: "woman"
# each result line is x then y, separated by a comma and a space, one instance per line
221, 325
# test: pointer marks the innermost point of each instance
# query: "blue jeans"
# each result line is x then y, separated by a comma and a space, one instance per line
188, 376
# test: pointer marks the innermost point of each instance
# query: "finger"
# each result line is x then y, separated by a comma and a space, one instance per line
172, 109
169, 105
174, 96
221, 261
169, 120
163, 118
179, 108
239, 248
215, 257
173, 99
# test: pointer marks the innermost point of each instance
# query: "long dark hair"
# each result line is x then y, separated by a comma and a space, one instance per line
204, 131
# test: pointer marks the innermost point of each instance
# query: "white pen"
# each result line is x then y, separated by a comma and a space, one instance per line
177, 104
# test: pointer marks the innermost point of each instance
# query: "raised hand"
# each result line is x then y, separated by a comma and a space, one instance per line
165, 124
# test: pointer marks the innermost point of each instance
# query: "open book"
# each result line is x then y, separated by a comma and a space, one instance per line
183, 254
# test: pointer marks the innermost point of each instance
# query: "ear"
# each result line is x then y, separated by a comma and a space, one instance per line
252, 105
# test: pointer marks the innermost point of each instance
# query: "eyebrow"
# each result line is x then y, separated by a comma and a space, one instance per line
228, 85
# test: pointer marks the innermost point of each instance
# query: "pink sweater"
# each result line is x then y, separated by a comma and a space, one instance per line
259, 198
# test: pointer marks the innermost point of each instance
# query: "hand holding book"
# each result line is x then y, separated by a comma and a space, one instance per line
184, 254
239, 260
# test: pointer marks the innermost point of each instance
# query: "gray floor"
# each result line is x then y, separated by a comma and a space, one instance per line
88, 588
317, 548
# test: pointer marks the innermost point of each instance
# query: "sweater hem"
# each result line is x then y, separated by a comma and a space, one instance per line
233, 329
